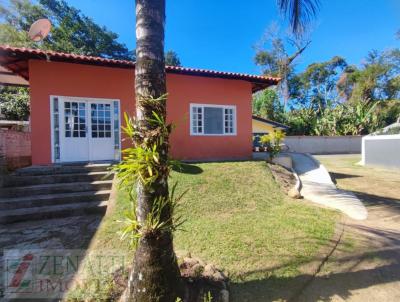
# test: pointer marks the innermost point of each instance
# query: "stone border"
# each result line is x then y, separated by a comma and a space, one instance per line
298, 181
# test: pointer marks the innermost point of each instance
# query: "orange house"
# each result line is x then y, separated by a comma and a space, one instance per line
77, 106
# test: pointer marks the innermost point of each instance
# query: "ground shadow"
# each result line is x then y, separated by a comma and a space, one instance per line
335, 175
391, 206
188, 169
321, 288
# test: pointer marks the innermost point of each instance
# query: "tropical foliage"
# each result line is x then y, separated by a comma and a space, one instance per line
273, 142
331, 97
14, 103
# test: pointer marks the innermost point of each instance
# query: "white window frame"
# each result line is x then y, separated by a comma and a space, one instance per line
223, 107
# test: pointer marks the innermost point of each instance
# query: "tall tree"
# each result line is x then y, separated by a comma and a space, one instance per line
299, 12
276, 60
377, 79
71, 30
172, 59
266, 104
155, 275
316, 86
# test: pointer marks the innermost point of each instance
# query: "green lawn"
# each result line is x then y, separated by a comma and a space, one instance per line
239, 220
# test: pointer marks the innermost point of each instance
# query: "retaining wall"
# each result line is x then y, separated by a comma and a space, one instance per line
381, 150
324, 144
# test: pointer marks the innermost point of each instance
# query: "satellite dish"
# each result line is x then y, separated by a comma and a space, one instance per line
39, 30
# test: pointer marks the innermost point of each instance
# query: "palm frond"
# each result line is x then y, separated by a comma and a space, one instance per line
299, 12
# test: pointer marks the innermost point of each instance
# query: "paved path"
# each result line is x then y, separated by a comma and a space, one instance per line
317, 186
73, 233
365, 267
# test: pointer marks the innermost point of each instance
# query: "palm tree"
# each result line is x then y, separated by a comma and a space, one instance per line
155, 273
299, 13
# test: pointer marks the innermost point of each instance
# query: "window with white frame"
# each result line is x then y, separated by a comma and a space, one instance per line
212, 119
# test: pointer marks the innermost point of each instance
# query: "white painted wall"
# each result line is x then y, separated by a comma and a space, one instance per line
324, 144
381, 150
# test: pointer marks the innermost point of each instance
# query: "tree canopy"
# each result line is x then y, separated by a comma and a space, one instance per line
330, 97
172, 59
72, 31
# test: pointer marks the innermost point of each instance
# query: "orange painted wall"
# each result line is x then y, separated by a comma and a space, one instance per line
66, 79
183, 90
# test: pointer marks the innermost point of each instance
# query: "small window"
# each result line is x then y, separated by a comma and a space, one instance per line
212, 120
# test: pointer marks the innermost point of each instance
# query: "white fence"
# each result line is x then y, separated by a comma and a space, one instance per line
381, 150
324, 144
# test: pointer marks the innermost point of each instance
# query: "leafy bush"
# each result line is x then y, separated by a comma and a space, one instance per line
272, 142
14, 103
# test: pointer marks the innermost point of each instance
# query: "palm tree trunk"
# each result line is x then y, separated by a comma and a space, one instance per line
155, 274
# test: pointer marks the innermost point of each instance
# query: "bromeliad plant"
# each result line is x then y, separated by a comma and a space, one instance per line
142, 163
273, 142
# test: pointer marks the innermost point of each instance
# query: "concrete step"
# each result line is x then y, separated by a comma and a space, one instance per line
56, 211
62, 169
52, 199
30, 180
55, 188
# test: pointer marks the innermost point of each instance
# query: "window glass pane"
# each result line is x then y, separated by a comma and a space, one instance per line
213, 120
229, 120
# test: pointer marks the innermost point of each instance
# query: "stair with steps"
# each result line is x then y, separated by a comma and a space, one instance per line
37, 193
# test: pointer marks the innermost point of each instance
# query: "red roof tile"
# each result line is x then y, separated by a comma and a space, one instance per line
16, 59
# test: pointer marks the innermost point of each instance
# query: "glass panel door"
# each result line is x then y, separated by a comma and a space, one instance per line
73, 135
101, 134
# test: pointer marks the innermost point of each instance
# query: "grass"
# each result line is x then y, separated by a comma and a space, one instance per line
238, 219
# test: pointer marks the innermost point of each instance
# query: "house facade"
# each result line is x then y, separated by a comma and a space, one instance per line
262, 126
77, 106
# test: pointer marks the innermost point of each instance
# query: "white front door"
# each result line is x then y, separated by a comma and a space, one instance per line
101, 131
88, 129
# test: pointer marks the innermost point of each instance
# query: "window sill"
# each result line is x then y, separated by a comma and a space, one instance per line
230, 134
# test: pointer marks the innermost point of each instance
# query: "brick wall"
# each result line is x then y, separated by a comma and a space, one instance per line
15, 146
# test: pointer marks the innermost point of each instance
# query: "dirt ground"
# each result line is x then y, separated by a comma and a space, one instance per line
284, 177
366, 264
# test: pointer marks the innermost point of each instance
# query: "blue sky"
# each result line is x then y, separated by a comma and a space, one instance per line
220, 34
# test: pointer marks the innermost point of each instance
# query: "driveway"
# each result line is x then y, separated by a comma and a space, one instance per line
317, 186
366, 264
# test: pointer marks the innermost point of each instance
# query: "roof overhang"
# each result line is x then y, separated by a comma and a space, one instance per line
16, 60
270, 122
9, 78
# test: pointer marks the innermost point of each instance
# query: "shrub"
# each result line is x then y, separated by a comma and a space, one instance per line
272, 142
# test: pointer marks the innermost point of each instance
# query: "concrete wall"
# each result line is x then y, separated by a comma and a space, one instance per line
324, 144
381, 150
15, 146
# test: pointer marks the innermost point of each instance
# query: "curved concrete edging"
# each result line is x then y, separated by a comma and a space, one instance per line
317, 186
297, 186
